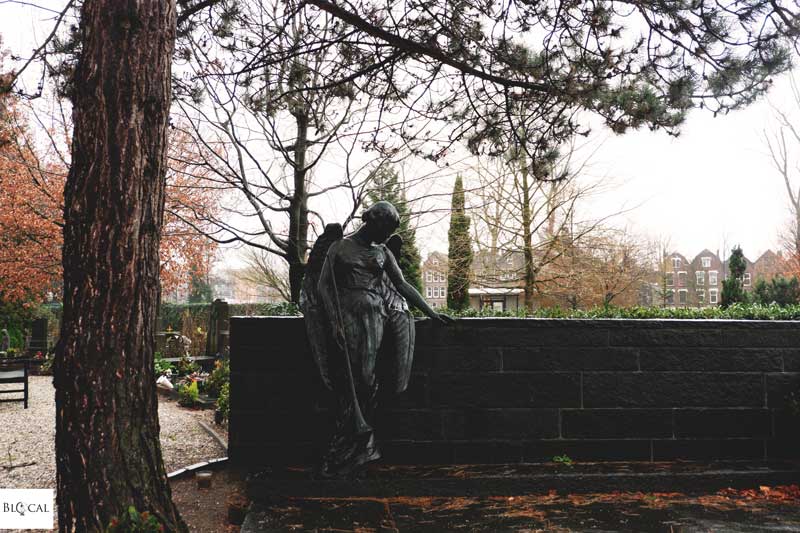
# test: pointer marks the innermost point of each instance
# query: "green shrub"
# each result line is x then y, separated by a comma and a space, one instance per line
779, 290
186, 367
736, 311
224, 400
565, 460
160, 365
188, 394
218, 377
133, 521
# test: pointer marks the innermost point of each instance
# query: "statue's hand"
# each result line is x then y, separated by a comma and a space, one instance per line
444, 319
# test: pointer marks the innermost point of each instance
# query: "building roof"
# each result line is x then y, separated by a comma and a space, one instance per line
494, 291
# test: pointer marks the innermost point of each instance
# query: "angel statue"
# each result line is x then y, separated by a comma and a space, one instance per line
355, 303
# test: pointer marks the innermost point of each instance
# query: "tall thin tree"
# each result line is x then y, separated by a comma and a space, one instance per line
459, 251
732, 290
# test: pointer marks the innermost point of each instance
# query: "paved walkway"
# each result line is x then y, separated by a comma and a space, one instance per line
28, 436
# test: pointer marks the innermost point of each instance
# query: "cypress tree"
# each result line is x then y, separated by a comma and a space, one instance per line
459, 251
732, 291
386, 186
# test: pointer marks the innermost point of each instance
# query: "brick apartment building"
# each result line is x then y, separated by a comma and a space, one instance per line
698, 283
434, 279
679, 283
495, 281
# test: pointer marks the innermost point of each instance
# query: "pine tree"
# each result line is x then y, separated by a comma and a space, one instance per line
459, 251
109, 454
386, 186
732, 291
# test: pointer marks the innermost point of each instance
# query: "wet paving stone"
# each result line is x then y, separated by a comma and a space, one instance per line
731, 511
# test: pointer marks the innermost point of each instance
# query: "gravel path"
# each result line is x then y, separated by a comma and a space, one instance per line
27, 435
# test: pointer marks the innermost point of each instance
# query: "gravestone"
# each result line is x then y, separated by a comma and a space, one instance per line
38, 340
5, 341
217, 339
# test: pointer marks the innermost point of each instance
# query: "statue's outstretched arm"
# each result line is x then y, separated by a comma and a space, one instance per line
408, 291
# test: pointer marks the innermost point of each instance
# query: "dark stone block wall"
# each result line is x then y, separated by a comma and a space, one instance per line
512, 390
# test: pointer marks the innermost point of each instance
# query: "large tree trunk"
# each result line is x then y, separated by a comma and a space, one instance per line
107, 448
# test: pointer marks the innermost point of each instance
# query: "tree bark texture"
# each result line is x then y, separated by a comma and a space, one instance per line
108, 454
298, 208
527, 238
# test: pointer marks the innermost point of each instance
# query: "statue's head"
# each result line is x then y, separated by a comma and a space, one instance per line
381, 219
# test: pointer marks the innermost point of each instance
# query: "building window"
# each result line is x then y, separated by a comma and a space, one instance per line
746, 279
435, 261
701, 277
429, 292
676, 263
706, 261
712, 277
681, 279
670, 297
670, 279
712, 296
682, 296
509, 260
428, 276
701, 296
441, 276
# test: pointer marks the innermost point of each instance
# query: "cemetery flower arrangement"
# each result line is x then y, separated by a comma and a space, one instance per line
218, 377
162, 367
188, 393
186, 366
13, 352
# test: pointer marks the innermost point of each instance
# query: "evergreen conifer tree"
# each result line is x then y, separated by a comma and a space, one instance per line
732, 291
386, 186
459, 251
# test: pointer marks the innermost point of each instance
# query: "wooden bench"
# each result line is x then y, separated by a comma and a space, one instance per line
15, 370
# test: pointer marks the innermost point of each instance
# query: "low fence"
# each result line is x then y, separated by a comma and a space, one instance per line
526, 390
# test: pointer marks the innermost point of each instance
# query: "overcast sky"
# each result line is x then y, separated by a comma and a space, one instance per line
713, 184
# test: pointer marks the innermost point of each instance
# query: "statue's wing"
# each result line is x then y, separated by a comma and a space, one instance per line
399, 332
395, 245
318, 324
